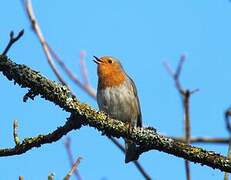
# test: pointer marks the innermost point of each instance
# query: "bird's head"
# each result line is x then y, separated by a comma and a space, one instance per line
109, 70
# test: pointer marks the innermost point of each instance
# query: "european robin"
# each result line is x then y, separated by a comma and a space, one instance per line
117, 96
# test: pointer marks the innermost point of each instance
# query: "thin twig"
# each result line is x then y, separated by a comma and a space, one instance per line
185, 96
227, 123
75, 165
12, 41
83, 68
179, 68
36, 28
87, 88
137, 164
142, 170
15, 133
210, 140
70, 157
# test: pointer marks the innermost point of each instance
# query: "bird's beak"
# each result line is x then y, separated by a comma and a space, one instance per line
97, 60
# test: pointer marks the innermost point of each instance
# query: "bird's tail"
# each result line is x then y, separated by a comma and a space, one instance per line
130, 151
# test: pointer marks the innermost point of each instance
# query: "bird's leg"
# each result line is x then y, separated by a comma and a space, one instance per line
129, 127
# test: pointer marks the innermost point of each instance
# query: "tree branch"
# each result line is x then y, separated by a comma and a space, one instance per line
210, 140
37, 30
74, 167
86, 87
70, 157
12, 41
185, 98
82, 114
30, 143
15, 133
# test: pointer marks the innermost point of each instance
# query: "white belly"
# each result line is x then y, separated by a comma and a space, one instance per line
119, 103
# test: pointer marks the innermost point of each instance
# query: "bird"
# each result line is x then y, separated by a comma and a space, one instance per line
117, 96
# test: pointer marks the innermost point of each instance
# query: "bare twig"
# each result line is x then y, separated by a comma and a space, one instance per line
12, 41
204, 140
75, 165
176, 75
186, 103
70, 156
185, 96
136, 163
179, 69
15, 133
83, 68
38, 32
87, 88
142, 170
228, 124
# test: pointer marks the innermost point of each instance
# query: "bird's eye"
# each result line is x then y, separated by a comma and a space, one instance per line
109, 61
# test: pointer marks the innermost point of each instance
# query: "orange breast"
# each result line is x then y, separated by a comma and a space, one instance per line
109, 77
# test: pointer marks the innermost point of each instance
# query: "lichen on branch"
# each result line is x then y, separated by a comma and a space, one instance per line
83, 114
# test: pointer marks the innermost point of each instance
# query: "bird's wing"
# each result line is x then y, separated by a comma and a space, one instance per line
139, 121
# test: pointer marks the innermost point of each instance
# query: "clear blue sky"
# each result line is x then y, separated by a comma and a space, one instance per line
142, 34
